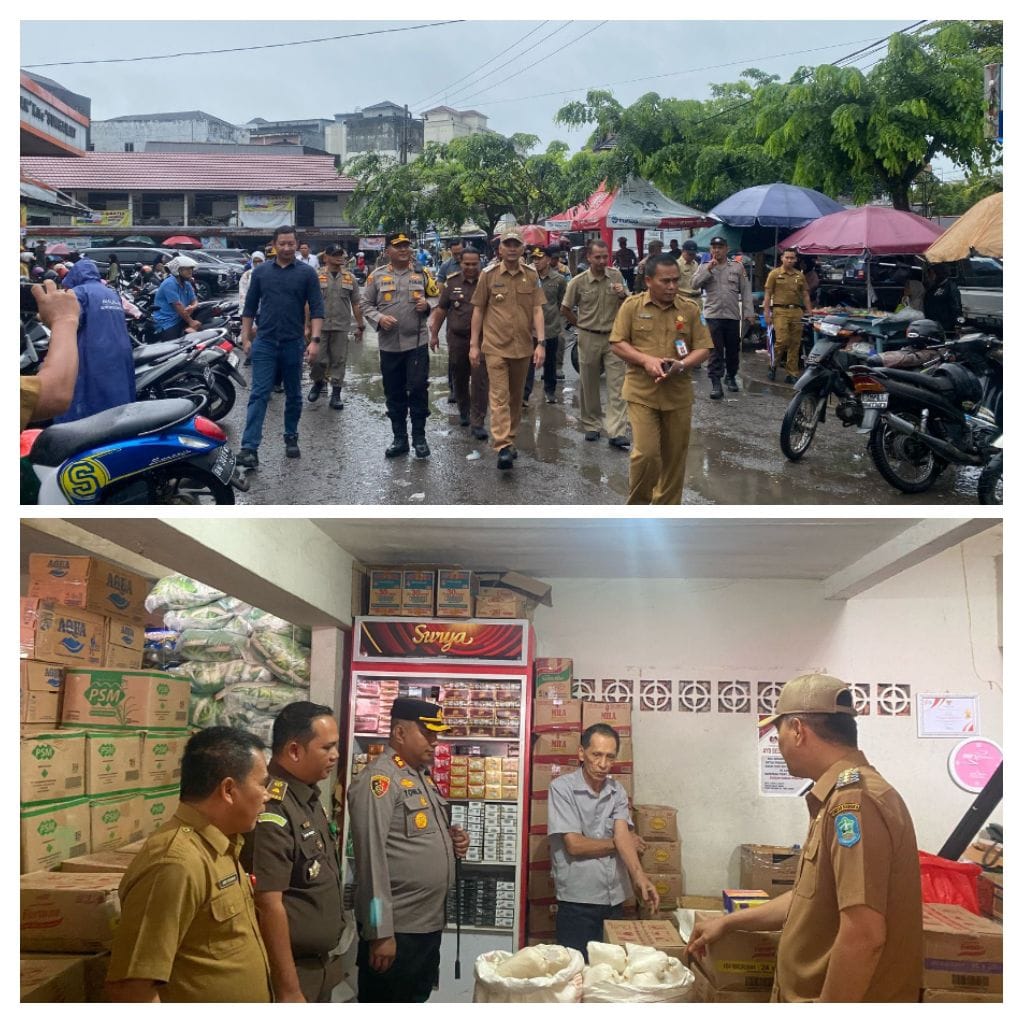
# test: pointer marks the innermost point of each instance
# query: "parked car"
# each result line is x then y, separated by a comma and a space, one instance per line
214, 263
980, 282
236, 257
211, 278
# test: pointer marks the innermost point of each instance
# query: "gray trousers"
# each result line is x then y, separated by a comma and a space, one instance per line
330, 362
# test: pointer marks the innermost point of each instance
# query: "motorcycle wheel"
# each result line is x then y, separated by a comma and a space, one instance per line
217, 408
903, 461
990, 483
182, 484
800, 423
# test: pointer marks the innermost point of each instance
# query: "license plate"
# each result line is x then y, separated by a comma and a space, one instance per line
233, 359
813, 358
224, 466
875, 401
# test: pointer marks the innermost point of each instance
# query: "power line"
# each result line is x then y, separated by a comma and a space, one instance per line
244, 49
443, 92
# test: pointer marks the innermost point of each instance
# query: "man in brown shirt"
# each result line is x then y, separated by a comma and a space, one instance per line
688, 265
508, 313
786, 298
851, 924
340, 290
661, 336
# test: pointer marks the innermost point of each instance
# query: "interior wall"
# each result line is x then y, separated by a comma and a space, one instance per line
933, 628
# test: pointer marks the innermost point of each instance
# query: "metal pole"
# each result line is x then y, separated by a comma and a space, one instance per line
458, 918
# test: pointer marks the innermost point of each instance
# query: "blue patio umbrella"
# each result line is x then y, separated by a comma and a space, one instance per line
752, 239
774, 206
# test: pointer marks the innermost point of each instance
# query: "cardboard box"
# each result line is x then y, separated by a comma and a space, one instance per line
69, 913
742, 899
740, 961
96, 967
115, 820
985, 852
618, 715
158, 807
543, 774
105, 862
90, 584
125, 633
540, 920
52, 981
498, 603
625, 780
663, 858
656, 822
705, 992
541, 886
41, 676
418, 591
552, 678
68, 636
624, 758
52, 765
668, 884
454, 593
538, 852
122, 657
28, 613
132, 848
772, 868
123, 699
556, 747
385, 592
962, 952
556, 716
939, 995
51, 833
38, 708
538, 817
162, 752
990, 895
661, 935
112, 761
557, 689
534, 591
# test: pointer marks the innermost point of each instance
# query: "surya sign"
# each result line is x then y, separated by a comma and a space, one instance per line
416, 639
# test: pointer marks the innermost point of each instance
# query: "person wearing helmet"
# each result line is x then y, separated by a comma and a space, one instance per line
175, 300
26, 264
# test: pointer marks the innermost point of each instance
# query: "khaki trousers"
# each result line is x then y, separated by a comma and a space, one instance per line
789, 330
506, 380
657, 463
330, 362
595, 352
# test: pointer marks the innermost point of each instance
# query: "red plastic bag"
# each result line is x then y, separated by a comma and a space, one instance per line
948, 881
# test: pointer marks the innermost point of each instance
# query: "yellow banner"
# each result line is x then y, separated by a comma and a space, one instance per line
105, 218
266, 204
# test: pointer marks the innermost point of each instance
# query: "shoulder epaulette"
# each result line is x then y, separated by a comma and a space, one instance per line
847, 777
277, 789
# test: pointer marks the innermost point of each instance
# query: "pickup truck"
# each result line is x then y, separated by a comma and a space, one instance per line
980, 283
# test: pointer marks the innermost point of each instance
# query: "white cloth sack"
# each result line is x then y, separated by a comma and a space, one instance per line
650, 976
536, 974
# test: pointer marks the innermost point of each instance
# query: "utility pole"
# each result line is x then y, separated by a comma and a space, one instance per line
405, 135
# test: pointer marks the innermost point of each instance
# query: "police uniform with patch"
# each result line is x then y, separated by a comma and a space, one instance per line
340, 292
293, 851
405, 865
861, 850
188, 919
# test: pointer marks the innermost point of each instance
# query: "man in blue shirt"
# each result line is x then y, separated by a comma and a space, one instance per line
593, 850
175, 299
280, 290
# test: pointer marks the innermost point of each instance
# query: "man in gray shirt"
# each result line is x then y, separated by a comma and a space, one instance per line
593, 850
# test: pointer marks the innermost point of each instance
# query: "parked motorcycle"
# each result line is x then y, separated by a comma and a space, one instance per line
145, 453
990, 483
951, 414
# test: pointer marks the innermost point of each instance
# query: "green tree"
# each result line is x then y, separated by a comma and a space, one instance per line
389, 196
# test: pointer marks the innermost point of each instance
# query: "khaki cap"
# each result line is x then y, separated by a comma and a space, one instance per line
812, 694
512, 235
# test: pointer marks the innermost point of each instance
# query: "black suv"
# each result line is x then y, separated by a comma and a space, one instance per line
211, 278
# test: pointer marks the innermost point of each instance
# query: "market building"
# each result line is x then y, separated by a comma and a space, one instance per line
525, 635
131, 132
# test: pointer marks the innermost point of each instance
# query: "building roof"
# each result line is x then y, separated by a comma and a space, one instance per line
178, 115
188, 172
452, 110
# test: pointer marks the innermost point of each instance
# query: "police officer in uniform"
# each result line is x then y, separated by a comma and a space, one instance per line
188, 931
292, 855
455, 306
404, 851
661, 336
394, 301
851, 924
786, 298
340, 290
688, 264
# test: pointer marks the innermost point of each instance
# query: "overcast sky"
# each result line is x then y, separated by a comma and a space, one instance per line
548, 64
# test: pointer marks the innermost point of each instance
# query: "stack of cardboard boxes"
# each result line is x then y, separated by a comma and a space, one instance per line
963, 956
662, 860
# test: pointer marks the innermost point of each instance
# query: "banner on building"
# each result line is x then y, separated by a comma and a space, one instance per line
104, 218
266, 211
371, 242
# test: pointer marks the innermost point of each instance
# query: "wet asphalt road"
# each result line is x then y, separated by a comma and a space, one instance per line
734, 455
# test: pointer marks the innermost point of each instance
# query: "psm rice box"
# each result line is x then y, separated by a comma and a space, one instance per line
115, 820
52, 765
51, 833
123, 699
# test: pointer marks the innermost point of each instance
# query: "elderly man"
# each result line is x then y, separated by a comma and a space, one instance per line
188, 931
405, 851
851, 924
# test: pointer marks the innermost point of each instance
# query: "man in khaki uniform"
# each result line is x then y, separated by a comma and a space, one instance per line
508, 313
188, 931
688, 264
661, 336
851, 924
404, 850
340, 290
786, 299
597, 294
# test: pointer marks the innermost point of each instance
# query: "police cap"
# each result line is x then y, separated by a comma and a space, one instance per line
410, 709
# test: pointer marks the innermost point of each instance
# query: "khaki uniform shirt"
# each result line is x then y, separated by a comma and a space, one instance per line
553, 284
686, 272
293, 851
31, 387
596, 302
653, 331
507, 301
785, 288
405, 863
725, 289
341, 293
861, 850
188, 917
456, 301
391, 292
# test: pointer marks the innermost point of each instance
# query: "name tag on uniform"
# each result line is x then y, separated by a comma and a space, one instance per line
311, 832
645, 316
226, 881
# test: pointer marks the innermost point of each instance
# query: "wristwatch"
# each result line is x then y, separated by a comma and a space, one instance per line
315, 341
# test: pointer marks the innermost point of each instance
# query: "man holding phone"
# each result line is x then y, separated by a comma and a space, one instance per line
726, 299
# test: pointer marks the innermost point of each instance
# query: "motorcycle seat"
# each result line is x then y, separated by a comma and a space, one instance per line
63, 440
941, 385
151, 353
210, 334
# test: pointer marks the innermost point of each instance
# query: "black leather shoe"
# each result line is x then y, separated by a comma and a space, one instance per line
315, 391
716, 389
291, 446
730, 383
400, 446
479, 433
771, 373
248, 458
790, 379
506, 458
591, 435
619, 442
550, 397
336, 402
420, 447
463, 419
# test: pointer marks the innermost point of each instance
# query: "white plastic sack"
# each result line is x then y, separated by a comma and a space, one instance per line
206, 711
557, 976
209, 677
259, 619
650, 976
288, 660
177, 591
211, 645
207, 616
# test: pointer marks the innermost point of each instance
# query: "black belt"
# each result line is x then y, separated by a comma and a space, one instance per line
589, 331
787, 305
